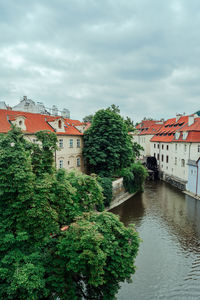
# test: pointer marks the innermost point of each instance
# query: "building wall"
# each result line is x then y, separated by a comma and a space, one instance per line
69, 153
144, 141
173, 157
192, 179
193, 184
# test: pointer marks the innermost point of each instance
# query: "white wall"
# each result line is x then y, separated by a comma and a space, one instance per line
178, 155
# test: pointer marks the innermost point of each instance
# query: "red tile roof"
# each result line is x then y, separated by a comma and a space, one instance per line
149, 127
171, 126
36, 122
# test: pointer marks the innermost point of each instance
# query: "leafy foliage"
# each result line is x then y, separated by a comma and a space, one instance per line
136, 150
134, 178
101, 251
107, 145
129, 124
52, 243
88, 118
106, 184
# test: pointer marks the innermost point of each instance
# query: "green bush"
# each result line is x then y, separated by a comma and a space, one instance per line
128, 180
106, 184
140, 174
134, 178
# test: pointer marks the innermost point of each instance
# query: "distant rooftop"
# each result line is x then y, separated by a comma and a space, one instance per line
28, 105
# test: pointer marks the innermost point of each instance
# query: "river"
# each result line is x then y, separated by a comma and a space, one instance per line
168, 262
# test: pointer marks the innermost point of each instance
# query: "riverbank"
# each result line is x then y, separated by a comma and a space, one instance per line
119, 194
191, 195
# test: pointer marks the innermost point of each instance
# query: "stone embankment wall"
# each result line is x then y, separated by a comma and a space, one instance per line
175, 181
119, 193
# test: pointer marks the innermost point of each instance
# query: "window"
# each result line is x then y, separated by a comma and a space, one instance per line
154, 145
198, 148
162, 146
162, 157
158, 156
78, 162
175, 161
71, 143
154, 155
68, 162
20, 123
192, 172
60, 141
59, 124
34, 141
185, 148
167, 159
167, 147
60, 164
176, 147
158, 146
78, 143
182, 162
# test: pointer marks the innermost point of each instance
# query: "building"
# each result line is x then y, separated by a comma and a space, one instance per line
144, 133
28, 105
69, 133
193, 184
177, 142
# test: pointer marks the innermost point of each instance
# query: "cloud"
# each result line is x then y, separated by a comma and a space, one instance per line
87, 54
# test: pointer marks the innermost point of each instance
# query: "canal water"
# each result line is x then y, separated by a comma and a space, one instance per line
168, 262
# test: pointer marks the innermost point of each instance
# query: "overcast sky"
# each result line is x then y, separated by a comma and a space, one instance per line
141, 55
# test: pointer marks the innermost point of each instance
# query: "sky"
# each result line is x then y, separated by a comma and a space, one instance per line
84, 55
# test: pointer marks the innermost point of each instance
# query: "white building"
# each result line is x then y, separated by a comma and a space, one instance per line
144, 133
177, 142
28, 105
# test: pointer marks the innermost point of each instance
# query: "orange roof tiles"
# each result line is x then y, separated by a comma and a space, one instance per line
148, 127
171, 126
36, 122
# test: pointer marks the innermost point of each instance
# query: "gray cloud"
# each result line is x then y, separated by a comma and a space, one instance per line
86, 54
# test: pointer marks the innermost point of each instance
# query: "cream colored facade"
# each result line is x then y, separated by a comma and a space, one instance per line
69, 153
144, 141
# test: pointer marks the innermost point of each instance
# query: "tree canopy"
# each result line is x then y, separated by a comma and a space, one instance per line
88, 118
107, 144
53, 241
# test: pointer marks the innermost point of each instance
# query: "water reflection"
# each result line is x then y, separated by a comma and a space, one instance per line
168, 264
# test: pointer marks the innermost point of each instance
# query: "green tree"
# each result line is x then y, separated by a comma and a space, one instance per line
107, 145
25, 222
114, 108
136, 149
52, 243
88, 118
99, 253
129, 124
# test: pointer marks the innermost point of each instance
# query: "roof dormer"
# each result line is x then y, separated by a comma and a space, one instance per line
18, 121
58, 124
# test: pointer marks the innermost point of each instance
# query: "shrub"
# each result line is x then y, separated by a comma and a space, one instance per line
134, 178
106, 184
